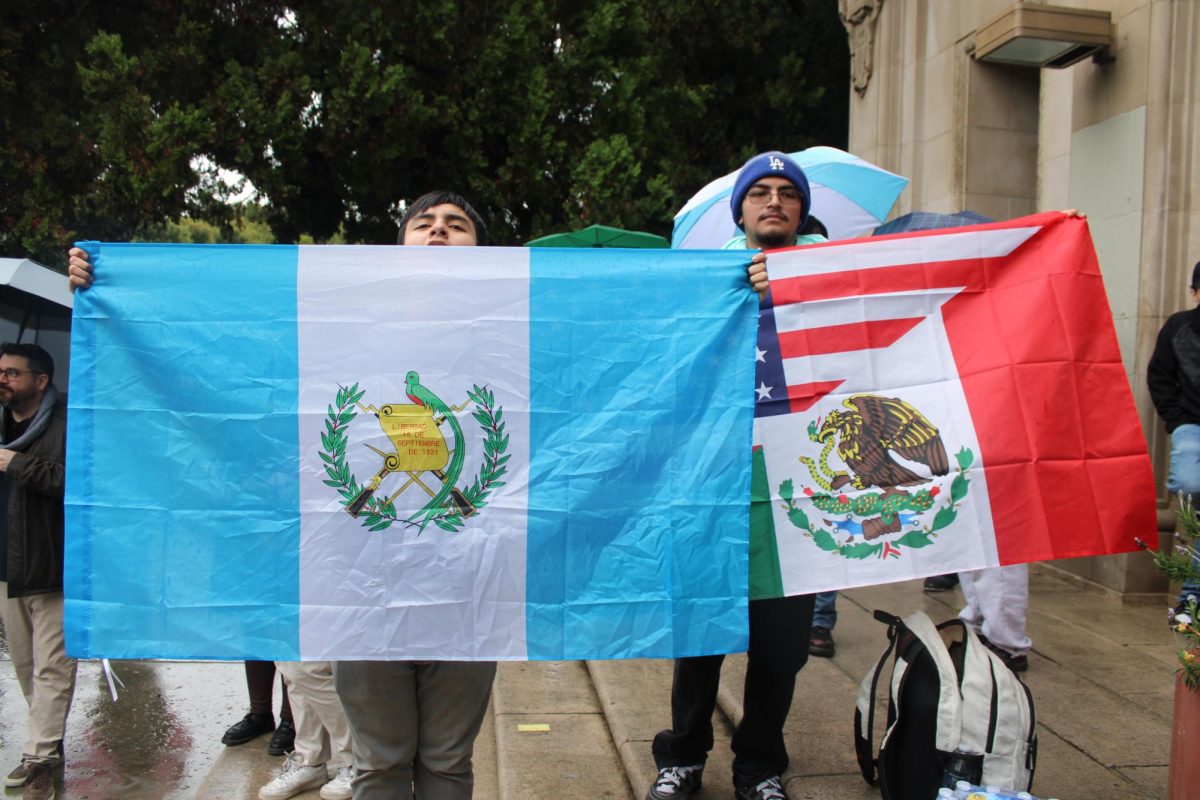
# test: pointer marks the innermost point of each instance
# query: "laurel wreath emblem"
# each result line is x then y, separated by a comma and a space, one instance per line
879, 503
379, 514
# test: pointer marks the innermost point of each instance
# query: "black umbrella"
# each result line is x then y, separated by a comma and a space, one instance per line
928, 220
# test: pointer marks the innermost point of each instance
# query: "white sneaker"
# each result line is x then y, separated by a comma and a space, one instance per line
293, 779
339, 787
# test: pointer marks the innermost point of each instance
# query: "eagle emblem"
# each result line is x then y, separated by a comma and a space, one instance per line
893, 464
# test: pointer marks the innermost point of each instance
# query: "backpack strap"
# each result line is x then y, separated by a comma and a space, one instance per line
950, 707
864, 712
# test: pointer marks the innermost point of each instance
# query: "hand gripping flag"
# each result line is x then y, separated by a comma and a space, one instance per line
409, 452
941, 402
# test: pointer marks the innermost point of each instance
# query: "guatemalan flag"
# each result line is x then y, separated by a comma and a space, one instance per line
940, 402
409, 452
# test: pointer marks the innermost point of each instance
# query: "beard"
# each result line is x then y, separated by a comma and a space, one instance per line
772, 240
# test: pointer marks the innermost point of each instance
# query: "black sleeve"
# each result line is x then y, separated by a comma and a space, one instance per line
1162, 377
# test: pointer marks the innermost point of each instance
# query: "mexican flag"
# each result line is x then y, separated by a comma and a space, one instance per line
938, 402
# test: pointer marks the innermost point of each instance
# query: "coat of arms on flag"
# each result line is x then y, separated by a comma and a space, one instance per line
417, 452
940, 402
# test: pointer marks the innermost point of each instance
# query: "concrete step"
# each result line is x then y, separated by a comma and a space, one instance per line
1100, 673
551, 735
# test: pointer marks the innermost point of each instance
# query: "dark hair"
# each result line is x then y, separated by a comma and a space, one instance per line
813, 225
1196, 276
431, 199
39, 360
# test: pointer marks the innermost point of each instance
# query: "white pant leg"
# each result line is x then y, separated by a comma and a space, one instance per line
998, 604
33, 628
322, 734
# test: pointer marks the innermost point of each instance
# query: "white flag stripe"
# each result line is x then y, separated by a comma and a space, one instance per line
919, 368
859, 254
417, 594
863, 308
877, 371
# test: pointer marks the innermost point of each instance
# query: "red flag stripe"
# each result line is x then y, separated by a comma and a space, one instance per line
969, 273
803, 396
867, 335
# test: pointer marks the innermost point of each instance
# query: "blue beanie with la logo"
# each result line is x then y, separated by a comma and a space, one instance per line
772, 164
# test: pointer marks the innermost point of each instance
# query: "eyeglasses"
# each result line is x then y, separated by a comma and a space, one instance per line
760, 195
13, 373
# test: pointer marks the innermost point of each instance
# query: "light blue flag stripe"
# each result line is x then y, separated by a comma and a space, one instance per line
602, 396
183, 490
152, 560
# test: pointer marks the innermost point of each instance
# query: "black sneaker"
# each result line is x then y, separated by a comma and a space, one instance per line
941, 583
248, 727
676, 783
284, 738
1015, 663
770, 789
820, 642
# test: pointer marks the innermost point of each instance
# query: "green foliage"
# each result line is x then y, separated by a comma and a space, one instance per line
1179, 564
547, 115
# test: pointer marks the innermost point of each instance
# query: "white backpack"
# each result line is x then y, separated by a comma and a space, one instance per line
953, 702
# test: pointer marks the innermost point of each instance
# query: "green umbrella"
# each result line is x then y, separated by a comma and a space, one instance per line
601, 236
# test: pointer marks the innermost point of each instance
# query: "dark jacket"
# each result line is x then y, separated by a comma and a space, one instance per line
34, 482
1173, 373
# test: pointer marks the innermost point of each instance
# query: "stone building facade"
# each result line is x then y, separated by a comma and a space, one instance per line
1116, 136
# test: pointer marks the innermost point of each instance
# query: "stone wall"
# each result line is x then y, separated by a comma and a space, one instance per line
1115, 138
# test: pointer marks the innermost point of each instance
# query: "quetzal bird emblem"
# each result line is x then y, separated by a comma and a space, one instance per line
422, 396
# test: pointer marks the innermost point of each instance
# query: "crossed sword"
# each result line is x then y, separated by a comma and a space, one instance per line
391, 463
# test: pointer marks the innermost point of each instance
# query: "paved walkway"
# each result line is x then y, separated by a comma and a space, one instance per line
1100, 673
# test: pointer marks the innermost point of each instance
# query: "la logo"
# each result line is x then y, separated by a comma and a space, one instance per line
776, 164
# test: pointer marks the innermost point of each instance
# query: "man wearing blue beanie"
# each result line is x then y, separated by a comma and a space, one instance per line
770, 203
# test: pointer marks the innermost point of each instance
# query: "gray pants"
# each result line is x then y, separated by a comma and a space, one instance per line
413, 724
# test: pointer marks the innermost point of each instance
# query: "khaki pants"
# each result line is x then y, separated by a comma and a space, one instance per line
33, 628
322, 735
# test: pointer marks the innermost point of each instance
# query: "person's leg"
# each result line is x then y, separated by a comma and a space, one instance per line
971, 612
321, 730
825, 610
693, 699
260, 682
18, 632
779, 636
820, 640
999, 600
452, 698
305, 767
380, 700
1184, 479
260, 675
285, 705
53, 680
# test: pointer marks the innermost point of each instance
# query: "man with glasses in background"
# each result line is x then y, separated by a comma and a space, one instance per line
770, 204
32, 452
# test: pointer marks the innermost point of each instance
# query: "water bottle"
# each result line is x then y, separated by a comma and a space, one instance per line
962, 765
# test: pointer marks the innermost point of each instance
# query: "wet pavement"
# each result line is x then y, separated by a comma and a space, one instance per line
156, 742
1101, 673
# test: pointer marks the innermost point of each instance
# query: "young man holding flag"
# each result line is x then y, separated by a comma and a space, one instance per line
770, 203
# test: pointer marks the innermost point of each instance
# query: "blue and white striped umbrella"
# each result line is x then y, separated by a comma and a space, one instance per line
849, 195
